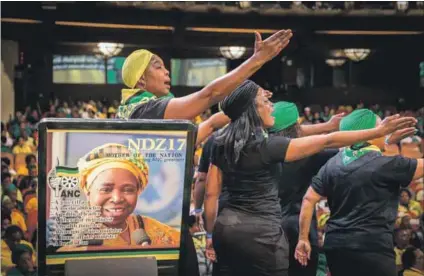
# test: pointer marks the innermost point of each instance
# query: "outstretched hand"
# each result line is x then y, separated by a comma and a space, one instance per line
334, 122
398, 135
395, 122
267, 49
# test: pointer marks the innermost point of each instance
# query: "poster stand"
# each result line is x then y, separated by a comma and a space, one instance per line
132, 259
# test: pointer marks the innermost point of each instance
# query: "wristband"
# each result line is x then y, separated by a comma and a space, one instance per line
209, 235
197, 211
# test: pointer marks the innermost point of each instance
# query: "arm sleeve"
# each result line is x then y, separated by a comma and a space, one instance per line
398, 170
318, 183
205, 159
153, 109
274, 149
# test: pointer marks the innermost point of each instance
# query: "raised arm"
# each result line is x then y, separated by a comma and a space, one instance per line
302, 147
190, 106
303, 249
213, 123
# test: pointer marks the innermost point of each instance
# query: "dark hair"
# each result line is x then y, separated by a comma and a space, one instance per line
407, 191
5, 160
292, 131
12, 229
18, 251
5, 175
3, 139
25, 183
29, 157
236, 135
408, 257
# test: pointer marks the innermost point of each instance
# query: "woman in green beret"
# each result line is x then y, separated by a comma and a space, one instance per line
362, 189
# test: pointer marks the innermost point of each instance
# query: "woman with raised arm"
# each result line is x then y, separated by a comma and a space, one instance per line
296, 177
362, 188
148, 80
247, 236
148, 94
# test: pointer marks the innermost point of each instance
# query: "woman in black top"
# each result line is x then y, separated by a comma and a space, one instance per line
247, 236
362, 189
295, 179
297, 176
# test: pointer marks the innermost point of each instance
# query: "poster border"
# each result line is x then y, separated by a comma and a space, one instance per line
107, 125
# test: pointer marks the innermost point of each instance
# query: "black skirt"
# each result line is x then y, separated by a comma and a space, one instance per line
250, 245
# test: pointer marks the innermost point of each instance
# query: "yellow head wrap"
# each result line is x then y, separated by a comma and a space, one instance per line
112, 156
134, 66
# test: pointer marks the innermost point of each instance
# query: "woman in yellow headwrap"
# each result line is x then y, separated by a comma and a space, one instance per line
148, 95
113, 177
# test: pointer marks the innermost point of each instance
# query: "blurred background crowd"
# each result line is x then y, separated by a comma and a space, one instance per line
64, 60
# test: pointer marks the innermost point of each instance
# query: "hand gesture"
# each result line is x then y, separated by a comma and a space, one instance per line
398, 135
267, 49
334, 122
210, 252
303, 252
394, 123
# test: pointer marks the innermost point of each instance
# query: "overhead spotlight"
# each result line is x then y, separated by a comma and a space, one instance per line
318, 5
349, 5
245, 4
335, 62
232, 52
402, 6
355, 54
109, 49
337, 53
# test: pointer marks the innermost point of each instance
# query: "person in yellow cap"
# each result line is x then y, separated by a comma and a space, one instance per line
114, 184
147, 95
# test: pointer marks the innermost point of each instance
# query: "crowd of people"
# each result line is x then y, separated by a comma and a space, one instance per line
252, 156
19, 138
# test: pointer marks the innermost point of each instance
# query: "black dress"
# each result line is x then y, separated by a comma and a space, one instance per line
248, 237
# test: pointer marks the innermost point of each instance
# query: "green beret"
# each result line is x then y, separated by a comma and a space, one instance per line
359, 119
285, 114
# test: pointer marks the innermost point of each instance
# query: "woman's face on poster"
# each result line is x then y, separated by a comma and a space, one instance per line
116, 191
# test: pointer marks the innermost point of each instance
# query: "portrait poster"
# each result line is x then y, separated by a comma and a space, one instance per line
114, 189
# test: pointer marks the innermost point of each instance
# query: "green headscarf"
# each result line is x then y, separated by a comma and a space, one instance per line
285, 114
11, 188
360, 119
